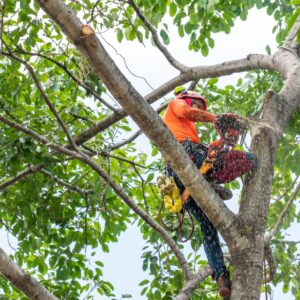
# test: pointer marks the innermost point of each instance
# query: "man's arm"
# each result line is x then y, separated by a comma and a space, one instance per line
183, 110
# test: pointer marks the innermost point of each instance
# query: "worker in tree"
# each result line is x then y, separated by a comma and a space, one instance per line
181, 116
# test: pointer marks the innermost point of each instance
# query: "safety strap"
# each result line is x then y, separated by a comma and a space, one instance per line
180, 218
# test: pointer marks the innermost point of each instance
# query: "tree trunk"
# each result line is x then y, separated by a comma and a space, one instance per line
247, 263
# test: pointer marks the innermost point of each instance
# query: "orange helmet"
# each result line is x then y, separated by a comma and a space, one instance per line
193, 95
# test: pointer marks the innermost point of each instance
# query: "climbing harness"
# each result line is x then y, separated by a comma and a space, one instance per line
229, 128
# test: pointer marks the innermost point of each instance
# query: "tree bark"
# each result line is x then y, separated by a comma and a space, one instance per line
28, 285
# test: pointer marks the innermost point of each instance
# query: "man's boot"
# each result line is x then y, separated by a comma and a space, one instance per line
224, 286
224, 193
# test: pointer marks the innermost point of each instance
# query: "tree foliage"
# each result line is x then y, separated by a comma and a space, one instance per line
61, 211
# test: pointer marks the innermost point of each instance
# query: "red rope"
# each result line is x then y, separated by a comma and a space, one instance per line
265, 277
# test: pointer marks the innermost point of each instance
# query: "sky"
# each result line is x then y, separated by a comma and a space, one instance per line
123, 266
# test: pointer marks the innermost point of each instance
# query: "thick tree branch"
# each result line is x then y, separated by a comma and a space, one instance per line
86, 41
118, 190
24, 173
23, 281
176, 64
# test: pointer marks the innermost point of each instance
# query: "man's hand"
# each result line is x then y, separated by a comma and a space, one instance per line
229, 127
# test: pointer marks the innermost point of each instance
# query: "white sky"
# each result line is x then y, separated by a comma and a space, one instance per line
123, 268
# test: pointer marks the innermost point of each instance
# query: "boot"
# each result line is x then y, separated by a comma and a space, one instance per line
224, 193
224, 286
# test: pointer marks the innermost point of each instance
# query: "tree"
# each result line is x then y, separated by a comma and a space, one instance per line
70, 187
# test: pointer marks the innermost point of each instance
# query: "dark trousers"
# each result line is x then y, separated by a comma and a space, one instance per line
229, 165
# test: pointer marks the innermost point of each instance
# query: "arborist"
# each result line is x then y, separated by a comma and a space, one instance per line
181, 116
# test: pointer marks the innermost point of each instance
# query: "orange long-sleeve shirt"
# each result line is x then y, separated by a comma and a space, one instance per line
180, 118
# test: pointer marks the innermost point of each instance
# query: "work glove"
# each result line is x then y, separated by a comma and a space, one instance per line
229, 127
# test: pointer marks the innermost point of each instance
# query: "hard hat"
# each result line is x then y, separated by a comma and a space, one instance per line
191, 94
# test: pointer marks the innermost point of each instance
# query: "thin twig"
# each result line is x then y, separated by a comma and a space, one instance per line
45, 97
156, 40
66, 184
284, 212
125, 62
129, 140
92, 14
143, 188
287, 190
74, 78
2, 24
106, 154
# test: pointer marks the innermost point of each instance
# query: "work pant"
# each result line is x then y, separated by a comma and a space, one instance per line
229, 165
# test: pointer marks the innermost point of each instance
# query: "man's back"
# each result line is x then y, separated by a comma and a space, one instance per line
181, 127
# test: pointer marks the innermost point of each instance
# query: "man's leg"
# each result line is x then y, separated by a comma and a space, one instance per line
212, 249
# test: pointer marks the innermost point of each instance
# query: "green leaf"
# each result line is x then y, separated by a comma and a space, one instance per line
119, 35
188, 27
165, 37
259, 4
212, 81
173, 9
132, 34
204, 49
144, 282
150, 177
268, 49
211, 43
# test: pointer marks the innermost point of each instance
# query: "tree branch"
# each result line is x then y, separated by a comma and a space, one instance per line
24, 173
75, 79
66, 184
23, 281
125, 142
156, 40
2, 24
190, 285
45, 97
292, 34
271, 234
